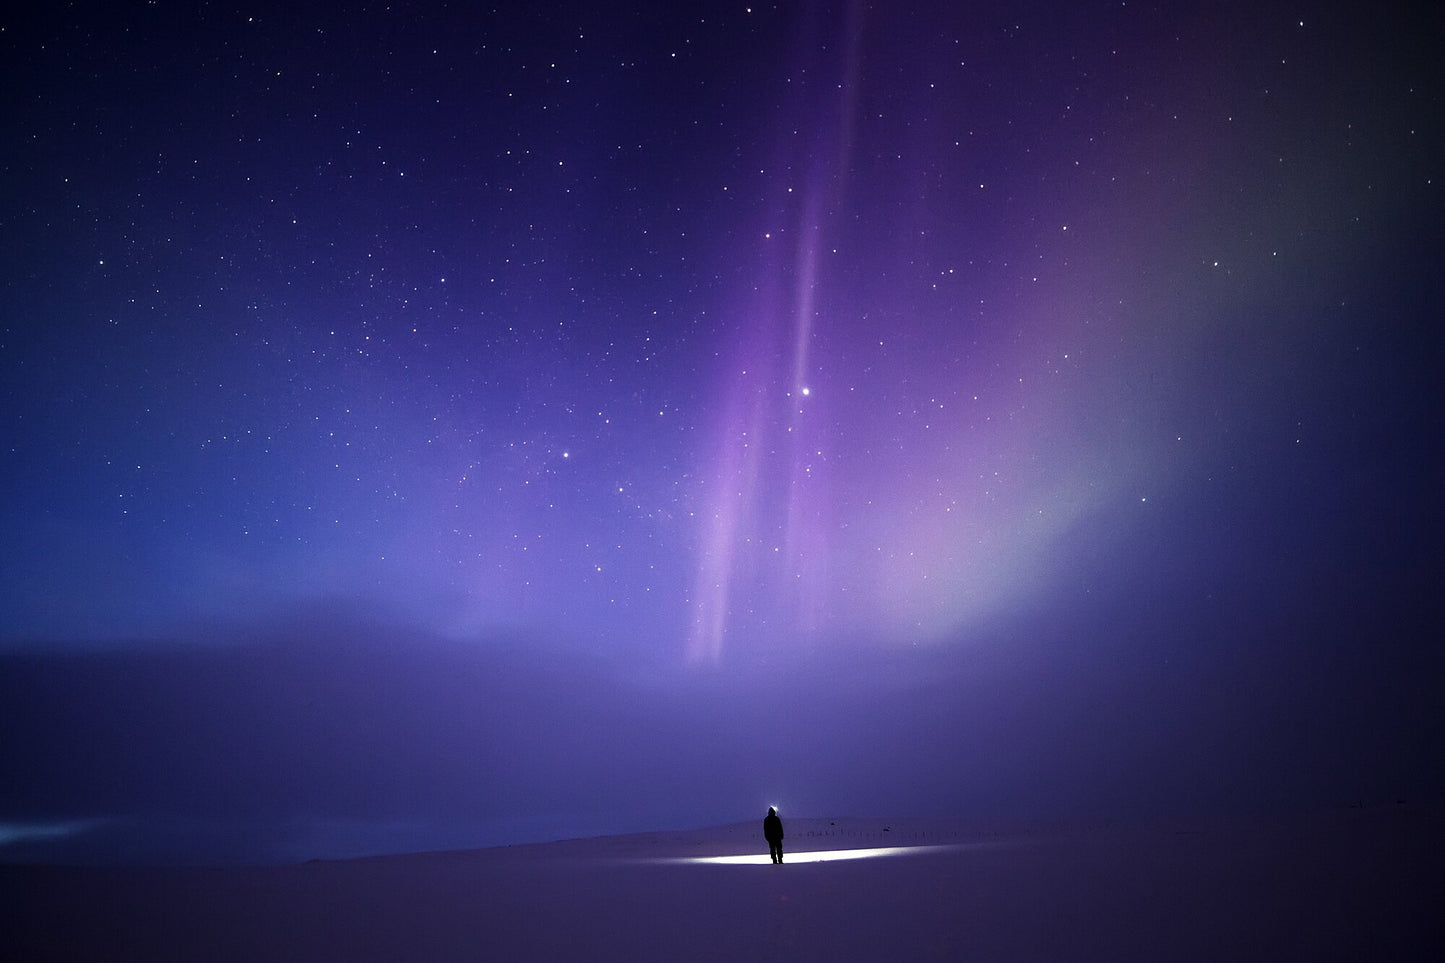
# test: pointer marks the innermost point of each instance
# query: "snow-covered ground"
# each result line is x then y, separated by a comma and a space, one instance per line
1356, 884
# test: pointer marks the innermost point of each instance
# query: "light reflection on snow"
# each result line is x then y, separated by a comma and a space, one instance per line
822, 856
27, 832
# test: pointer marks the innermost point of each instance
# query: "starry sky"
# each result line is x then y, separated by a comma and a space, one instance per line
429, 425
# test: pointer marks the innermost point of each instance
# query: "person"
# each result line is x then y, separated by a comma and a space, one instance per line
773, 833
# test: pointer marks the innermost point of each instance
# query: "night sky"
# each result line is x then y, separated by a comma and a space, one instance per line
429, 426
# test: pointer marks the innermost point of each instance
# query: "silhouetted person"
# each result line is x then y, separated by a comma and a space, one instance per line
773, 833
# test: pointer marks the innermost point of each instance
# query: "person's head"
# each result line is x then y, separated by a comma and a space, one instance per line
772, 810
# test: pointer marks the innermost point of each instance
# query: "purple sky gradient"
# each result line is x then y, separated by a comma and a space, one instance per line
426, 426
